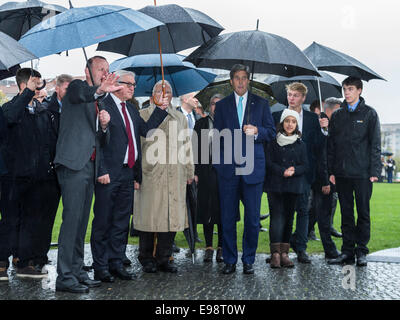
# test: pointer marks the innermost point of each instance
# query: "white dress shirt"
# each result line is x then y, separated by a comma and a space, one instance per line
191, 116
118, 103
244, 102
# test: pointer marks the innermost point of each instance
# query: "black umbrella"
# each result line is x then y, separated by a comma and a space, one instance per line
184, 28
191, 203
12, 53
16, 18
224, 87
327, 59
263, 52
329, 87
11, 72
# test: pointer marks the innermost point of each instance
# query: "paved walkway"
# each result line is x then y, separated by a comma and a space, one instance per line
200, 281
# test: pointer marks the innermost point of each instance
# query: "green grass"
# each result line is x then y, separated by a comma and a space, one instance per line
385, 224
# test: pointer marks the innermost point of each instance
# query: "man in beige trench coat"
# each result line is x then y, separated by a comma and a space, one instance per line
160, 202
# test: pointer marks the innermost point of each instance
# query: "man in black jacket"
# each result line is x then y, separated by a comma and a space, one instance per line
30, 183
354, 150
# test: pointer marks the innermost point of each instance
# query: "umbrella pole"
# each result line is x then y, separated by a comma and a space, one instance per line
161, 62
319, 94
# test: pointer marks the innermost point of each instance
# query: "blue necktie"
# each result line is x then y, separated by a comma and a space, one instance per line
190, 122
240, 111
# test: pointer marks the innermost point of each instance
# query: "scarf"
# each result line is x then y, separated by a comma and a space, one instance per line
286, 140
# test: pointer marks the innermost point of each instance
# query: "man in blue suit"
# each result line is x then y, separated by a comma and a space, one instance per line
311, 134
244, 123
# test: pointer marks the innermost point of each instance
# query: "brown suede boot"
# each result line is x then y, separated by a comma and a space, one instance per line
285, 261
275, 255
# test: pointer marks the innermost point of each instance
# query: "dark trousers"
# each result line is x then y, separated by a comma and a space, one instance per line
323, 213
24, 207
77, 193
390, 176
281, 208
356, 235
313, 213
300, 237
51, 194
209, 232
231, 191
113, 207
163, 247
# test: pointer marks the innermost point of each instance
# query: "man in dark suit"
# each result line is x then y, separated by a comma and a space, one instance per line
311, 134
247, 119
119, 169
83, 130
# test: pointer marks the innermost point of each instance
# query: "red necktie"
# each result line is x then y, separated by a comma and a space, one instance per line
131, 146
93, 156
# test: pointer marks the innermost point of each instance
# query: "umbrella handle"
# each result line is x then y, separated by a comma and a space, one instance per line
157, 103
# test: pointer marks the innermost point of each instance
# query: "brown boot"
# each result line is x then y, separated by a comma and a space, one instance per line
285, 261
275, 255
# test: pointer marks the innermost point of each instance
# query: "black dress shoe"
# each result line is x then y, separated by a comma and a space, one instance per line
168, 267
219, 257
91, 283
126, 262
149, 267
361, 260
87, 268
248, 269
229, 268
302, 257
268, 260
336, 234
264, 216
78, 288
208, 255
332, 255
342, 259
198, 240
103, 276
122, 274
175, 248
312, 236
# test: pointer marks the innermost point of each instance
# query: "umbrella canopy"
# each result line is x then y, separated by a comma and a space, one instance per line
329, 87
85, 26
224, 87
184, 77
269, 53
184, 28
16, 18
327, 59
12, 53
11, 72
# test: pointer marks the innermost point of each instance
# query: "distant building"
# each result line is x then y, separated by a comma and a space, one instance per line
390, 135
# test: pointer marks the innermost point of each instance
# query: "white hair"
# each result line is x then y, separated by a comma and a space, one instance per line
160, 83
123, 73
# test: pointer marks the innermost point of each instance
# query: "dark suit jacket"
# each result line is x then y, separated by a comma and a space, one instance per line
259, 115
3, 139
78, 136
113, 154
313, 138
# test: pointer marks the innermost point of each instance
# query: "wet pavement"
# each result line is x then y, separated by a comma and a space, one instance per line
204, 281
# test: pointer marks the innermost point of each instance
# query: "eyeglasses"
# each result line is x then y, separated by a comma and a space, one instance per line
128, 84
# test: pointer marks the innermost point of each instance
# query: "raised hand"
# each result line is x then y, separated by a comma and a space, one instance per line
109, 84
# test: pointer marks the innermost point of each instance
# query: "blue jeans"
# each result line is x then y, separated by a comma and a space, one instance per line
300, 237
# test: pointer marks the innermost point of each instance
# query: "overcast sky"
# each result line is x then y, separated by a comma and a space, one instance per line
367, 30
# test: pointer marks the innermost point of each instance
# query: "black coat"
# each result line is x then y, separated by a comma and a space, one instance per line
278, 160
208, 206
354, 143
3, 140
31, 139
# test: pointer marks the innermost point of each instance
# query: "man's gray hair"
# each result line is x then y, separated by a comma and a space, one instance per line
123, 73
216, 96
160, 83
62, 78
331, 102
239, 67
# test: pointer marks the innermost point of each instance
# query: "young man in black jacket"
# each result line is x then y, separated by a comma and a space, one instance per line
354, 150
30, 186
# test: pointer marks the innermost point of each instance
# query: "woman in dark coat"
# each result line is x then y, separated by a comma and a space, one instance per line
286, 161
208, 195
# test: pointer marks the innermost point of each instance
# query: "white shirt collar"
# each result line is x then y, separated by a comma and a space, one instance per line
116, 100
244, 98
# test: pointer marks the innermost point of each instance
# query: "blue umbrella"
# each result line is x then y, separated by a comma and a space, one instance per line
12, 53
183, 76
85, 26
